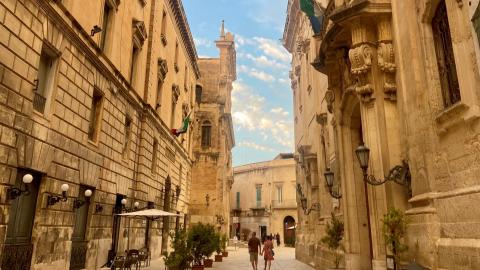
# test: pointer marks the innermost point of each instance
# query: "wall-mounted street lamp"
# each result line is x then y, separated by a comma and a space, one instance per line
329, 177
54, 199
14, 192
304, 202
96, 29
77, 203
399, 174
135, 207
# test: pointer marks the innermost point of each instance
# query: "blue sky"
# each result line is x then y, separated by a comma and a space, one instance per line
261, 98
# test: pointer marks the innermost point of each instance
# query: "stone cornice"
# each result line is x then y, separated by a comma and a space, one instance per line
181, 19
293, 13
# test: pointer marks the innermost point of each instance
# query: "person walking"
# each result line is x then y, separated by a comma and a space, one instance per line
267, 252
278, 239
254, 248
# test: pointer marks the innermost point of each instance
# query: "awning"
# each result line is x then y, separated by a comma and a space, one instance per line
149, 214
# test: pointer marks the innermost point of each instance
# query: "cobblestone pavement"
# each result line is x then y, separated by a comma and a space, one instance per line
239, 259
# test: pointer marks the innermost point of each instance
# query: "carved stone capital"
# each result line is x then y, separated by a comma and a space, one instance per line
361, 60
386, 58
329, 98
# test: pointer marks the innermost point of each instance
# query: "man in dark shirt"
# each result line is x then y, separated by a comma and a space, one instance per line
254, 248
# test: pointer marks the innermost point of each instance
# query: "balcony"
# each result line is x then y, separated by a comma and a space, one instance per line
284, 204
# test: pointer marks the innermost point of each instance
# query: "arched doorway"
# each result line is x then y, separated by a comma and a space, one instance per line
289, 228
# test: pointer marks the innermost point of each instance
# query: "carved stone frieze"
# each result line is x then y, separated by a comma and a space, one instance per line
361, 61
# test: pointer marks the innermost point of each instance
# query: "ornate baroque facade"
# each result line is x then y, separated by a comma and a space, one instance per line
214, 138
403, 79
263, 199
89, 92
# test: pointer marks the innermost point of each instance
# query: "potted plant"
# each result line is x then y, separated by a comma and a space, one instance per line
210, 249
218, 248
180, 258
333, 239
394, 229
200, 237
223, 245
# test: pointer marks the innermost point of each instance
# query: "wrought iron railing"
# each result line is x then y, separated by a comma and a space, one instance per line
79, 255
17, 256
39, 102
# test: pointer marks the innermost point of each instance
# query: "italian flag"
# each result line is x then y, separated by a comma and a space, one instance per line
184, 128
314, 12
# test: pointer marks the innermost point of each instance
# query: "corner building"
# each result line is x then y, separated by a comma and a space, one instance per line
89, 93
214, 138
402, 78
263, 199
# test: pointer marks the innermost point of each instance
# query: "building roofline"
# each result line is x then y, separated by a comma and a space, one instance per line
182, 22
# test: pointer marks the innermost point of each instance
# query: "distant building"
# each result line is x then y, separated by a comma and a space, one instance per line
263, 199
212, 174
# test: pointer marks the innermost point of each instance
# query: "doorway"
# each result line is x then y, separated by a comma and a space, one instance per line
263, 233
116, 227
79, 243
18, 247
364, 249
289, 231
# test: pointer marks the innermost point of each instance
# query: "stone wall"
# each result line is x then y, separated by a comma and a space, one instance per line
55, 147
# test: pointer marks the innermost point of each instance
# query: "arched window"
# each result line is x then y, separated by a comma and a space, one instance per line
206, 134
445, 58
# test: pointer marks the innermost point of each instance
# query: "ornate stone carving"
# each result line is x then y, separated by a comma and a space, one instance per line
139, 34
162, 69
361, 60
386, 63
329, 98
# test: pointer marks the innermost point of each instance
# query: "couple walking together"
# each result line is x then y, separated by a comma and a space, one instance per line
255, 249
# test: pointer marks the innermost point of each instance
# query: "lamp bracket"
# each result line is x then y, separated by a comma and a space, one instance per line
399, 174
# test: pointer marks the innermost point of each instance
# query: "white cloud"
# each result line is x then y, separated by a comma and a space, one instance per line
279, 111
202, 42
256, 146
263, 61
254, 73
251, 113
273, 48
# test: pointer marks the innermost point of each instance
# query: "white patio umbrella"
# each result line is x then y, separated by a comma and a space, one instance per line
150, 214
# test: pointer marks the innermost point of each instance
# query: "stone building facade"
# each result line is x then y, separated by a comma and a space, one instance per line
263, 199
212, 174
89, 93
403, 79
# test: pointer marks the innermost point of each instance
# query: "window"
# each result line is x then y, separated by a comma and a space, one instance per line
45, 79
445, 58
133, 64
159, 95
175, 95
175, 63
279, 193
127, 134
259, 195
185, 79
95, 115
206, 134
154, 156
164, 28
238, 200
107, 10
